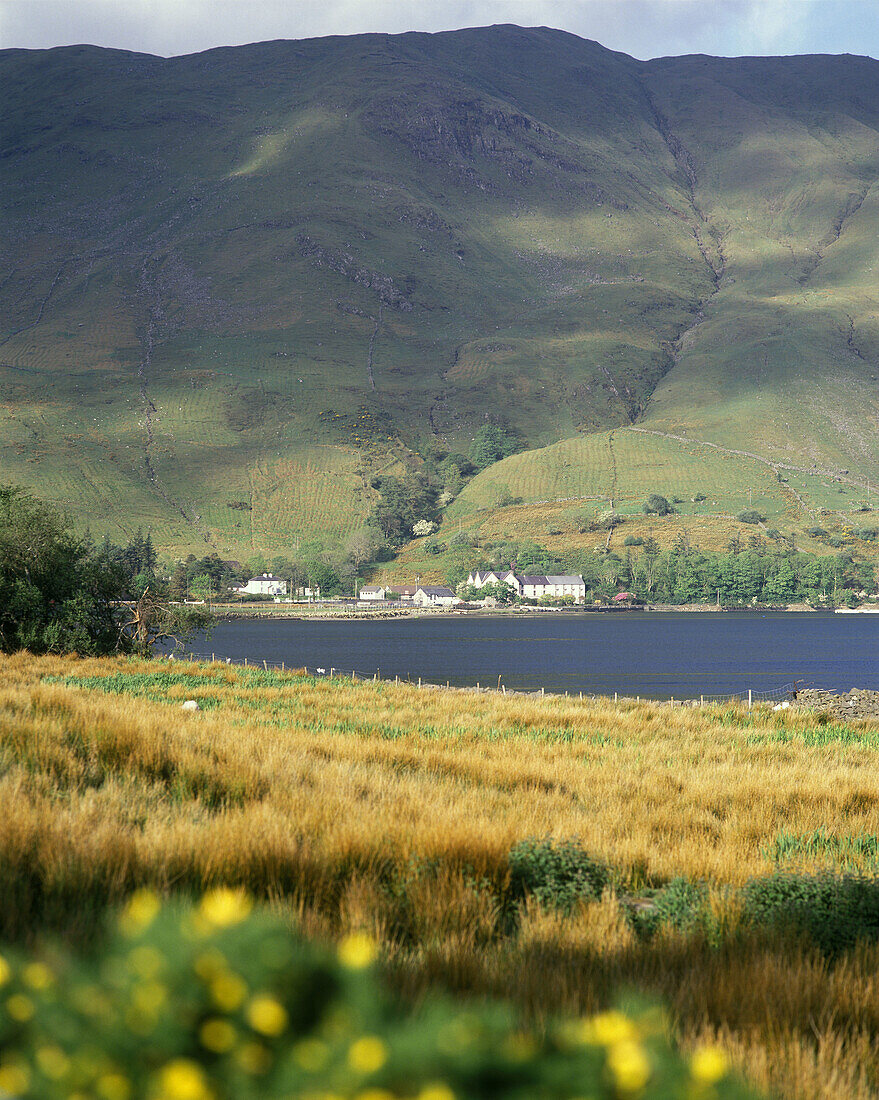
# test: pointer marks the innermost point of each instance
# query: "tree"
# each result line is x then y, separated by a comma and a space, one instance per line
57, 594
153, 618
656, 505
491, 444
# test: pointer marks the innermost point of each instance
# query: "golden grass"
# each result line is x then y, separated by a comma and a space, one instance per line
322, 795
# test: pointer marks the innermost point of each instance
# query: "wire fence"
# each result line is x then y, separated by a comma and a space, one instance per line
777, 695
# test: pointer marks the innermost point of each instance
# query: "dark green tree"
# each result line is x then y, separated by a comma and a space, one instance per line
491, 444
57, 593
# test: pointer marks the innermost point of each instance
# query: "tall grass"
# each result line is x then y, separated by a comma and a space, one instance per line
394, 809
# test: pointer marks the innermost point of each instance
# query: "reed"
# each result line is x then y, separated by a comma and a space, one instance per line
394, 809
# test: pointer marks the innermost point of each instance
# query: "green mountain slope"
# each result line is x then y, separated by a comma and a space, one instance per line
236, 286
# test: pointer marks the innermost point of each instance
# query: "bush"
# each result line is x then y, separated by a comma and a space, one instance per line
679, 905
816, 532
656, 505
607, 520
835, 911
751, 515
633, 540
557, 874
216, 1002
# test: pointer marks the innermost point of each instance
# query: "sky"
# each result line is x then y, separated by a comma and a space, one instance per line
642, 28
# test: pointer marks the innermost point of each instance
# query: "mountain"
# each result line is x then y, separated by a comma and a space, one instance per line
238, 286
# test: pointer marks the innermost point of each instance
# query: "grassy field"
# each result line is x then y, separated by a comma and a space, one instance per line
399, 811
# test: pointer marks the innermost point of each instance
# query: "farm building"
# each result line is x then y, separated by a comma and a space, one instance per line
435, 595
372, 592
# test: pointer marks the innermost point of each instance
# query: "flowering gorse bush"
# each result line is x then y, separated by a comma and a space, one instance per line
219, 1001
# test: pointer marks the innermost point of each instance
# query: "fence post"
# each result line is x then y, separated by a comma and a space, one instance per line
542, 692
614, 696
332, 670
265, 664
245, 662
749, 698
701, 700
504, 688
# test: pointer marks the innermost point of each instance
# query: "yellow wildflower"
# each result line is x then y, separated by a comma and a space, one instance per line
607, 1028
146, 962
629, 1064
368, 1054
253, 1058
357, 951
149, 997
436, 1091
5, 971
709, 1064
225, 907
14, 1079
266, 1015
113, 1086
20, 1008
209, 964
183, 1079
217, 1036
53, 1062
140, 912
375, 1094
37, 975
311, 1055
228, 991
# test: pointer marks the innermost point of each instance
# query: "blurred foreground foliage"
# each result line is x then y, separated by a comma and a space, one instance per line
219, 1001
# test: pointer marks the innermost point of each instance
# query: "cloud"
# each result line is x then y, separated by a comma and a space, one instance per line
643, 28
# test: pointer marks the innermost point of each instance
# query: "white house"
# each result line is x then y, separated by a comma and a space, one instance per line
372, 592
533, 587
556, 587
266, 585
435, 595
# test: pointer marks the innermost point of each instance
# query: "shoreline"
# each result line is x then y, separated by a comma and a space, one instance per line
304, 613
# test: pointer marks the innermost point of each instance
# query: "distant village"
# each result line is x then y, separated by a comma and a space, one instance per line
481, 588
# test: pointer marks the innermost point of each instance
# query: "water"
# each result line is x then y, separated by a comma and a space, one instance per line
649, 654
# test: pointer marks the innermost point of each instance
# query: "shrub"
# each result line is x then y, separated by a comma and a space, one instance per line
867, 534
835, 911
679, 905
216, 1002
633, 540
751, 515
557, 874
607, 520
656, 505
816, 532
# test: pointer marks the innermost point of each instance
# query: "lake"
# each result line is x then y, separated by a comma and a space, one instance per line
649, 654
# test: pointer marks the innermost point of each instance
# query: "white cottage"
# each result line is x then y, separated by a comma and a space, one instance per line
435, 595
372, 592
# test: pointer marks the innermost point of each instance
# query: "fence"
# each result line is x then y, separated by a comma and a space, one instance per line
772, 695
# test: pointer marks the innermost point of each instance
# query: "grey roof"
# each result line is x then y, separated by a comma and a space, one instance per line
566, 580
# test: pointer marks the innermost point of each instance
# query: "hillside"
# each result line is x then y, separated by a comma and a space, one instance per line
239, 285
